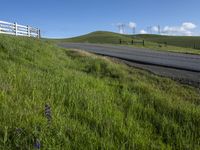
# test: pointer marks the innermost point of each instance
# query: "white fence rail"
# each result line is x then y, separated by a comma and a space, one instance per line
18, 30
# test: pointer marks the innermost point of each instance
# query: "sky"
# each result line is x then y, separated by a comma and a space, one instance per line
69, 18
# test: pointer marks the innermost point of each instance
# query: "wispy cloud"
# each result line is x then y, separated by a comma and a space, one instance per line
132, 25
143, 32
186, 29
155, 29
189, 25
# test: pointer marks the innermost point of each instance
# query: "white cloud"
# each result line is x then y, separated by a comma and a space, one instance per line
185, 29
188, 25
121, 31
143, 32
154, 29
132, 25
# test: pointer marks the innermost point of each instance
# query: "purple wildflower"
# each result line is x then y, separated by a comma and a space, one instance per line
48, 112
37, 144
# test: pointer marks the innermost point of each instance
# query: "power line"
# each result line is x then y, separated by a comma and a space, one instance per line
149, 29
121, 28
159, 29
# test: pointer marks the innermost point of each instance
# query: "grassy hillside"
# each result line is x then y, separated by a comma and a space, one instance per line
155, 42
95, 103
180, 41
99, 37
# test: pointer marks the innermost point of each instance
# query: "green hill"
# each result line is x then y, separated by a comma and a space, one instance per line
99, 37
180, 41
56, 98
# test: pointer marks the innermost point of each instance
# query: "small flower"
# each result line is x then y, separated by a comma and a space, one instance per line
18, 131
48, 112
37, 144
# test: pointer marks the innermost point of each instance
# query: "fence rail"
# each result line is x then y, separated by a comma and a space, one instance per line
131, 42
18, 30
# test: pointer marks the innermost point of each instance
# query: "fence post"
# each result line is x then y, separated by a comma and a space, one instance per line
0, 28
38, 33
143, 42
28, 31
15, 28
194, 45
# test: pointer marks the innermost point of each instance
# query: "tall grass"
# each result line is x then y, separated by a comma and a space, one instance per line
94, 103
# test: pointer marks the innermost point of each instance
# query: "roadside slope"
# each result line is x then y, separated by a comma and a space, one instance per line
182, 67
94, 102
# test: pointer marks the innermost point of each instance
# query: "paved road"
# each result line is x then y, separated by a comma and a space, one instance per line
175, 65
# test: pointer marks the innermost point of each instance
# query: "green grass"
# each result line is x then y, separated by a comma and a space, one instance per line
179, 41
99, 37
155, 42
95, 103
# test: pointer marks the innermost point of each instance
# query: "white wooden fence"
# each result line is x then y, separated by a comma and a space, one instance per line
18, 30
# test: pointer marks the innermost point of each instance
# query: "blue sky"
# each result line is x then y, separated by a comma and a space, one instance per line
66, 18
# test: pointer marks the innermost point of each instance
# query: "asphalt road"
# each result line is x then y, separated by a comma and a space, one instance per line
184, 67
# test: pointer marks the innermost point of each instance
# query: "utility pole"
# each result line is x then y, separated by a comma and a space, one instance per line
121, 28
134, 30
149, 29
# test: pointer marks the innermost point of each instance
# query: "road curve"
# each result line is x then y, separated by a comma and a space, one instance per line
176, 65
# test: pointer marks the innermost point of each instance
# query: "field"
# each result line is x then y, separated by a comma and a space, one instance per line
179, 41
91, 102
179, 44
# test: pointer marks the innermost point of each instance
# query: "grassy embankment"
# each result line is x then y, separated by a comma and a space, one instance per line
155, 42
95, 103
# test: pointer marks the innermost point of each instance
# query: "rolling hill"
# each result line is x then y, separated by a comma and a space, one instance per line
99, 37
